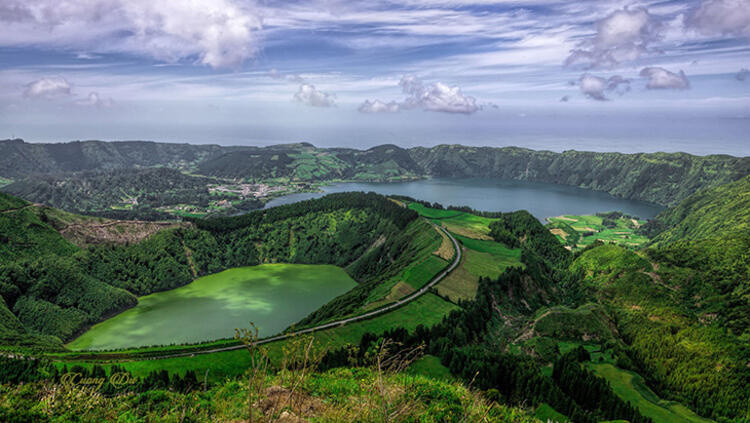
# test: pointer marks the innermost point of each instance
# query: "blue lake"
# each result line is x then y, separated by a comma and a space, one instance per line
540, 199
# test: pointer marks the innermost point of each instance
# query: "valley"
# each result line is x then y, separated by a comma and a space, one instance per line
489, 296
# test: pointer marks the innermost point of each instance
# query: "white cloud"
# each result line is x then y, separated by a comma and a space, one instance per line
436, 97
443, 98
620, 37
95, 100
220, 33
725, 17
309, 95
595, 87
378, 106
660, 78
48, 88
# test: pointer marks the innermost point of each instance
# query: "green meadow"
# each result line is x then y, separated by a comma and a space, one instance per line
272, 296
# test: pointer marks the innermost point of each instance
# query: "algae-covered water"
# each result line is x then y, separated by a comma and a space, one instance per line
273, 296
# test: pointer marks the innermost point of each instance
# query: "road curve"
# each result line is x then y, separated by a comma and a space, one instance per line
385, 309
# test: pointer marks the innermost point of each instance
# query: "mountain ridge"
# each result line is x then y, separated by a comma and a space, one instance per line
663, 178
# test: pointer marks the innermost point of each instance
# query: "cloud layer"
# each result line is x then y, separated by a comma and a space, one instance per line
217, 33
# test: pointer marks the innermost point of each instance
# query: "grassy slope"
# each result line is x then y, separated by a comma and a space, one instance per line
481, 259
333, 396
430, 366
25, 235
548, 414
482, 256
631, 387
424, 242
458, 222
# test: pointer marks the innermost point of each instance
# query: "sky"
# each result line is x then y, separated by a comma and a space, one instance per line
597, 75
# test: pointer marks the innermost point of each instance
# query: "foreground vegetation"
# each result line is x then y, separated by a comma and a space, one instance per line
366, 394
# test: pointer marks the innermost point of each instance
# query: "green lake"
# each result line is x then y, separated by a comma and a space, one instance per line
273, 296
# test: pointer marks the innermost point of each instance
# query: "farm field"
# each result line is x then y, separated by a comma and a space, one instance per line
482, 255
481, 258
273, 296
579, 231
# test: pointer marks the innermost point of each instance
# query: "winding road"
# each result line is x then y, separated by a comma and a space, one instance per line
383, 310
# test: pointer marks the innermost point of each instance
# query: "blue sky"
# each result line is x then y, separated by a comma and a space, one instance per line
596, 75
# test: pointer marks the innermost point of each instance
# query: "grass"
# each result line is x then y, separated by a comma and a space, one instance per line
431, 213
446, 250
345, 394
421, 273
427, 310
422, 267
560, 322
578, 231
5, 181
273, 296
430, 366
630, 387
482, 258
548, 414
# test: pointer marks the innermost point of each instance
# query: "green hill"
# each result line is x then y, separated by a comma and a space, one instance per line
710, 213
664, 178
684, 317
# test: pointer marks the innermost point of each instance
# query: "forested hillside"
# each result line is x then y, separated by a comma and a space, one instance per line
723, 211
56, 288
127, 193
664, 178
19, 159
